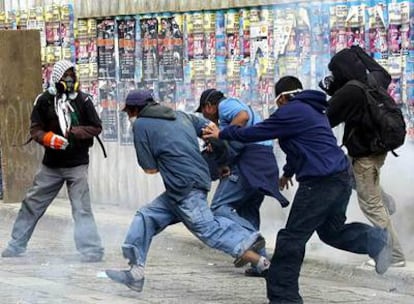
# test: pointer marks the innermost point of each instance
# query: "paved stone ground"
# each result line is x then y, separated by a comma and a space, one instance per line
180, 269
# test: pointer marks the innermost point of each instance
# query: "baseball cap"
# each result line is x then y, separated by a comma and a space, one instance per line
138, 98
208, 96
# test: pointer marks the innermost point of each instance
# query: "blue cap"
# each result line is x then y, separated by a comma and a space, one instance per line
138, 98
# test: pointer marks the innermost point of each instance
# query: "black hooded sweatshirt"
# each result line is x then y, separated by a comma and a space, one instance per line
44, 119
347, 103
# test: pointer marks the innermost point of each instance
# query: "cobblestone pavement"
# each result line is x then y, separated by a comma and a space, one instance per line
180, 269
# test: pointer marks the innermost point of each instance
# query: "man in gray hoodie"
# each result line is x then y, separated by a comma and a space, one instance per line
166, 142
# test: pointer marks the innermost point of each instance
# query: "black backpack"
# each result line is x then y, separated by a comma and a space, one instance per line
383, 118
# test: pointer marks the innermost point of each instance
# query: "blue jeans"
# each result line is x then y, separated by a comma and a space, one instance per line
319, 205
193, 211
46, 185
237, 201
234, 199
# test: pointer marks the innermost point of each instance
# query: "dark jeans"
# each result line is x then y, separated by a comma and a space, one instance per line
319, 205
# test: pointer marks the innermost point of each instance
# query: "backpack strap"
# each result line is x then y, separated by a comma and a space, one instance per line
102, 146
363, 87
85, 97
358, 84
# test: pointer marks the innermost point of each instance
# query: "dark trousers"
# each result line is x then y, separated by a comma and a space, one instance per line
319, 205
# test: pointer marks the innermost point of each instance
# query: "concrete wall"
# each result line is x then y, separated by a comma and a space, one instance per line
118, 179
20, 83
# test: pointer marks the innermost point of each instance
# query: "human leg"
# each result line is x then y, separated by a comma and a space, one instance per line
308, 211
389, 202
353, 237
46, 186
87, 239
147, 222
217, 232
232, 200
367, 176
387, 199
241, 204
250, 210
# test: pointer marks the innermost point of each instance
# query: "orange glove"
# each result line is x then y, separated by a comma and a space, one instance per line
55, 141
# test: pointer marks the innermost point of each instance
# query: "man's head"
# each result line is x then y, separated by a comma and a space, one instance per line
286, 88
63, 78
136, 100
344, 66
209, 101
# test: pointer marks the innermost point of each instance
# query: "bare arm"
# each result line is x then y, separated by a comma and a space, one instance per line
241, 119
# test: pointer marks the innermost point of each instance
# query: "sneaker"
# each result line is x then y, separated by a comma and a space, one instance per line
253, 272
371, 263
125, 277
258, 245
10, 253
91, 258
384, 257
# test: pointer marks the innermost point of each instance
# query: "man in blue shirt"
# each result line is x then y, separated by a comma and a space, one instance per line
252, 174
320, 203
166, 142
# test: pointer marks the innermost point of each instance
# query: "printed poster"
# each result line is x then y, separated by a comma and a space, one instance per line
106, 49
170, 49
149, 34
126, 48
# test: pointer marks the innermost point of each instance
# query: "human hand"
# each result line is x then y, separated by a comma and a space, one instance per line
211, 131
284, 182
54, 141
224, 171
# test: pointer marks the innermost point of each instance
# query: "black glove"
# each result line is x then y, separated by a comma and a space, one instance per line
326, 85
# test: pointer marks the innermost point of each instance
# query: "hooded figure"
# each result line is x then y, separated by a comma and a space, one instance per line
68, 85
64, 122
347, 106
347, 102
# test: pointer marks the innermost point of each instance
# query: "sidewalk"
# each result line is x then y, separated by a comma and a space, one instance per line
167, 255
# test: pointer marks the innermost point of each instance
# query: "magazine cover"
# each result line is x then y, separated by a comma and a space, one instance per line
106, 49
149, 34
170, 49
108, 109
126, 48
338, 33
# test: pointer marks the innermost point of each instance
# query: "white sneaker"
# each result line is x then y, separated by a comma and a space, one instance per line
371, 263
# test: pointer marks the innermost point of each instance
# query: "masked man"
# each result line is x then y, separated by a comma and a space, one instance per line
64, 122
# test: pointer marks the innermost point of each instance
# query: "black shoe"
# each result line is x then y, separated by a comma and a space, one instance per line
10, 253
125, 277
383, 259
252, 272
258, 245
